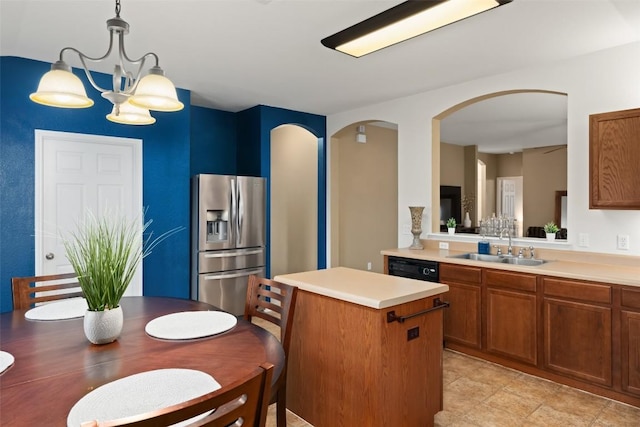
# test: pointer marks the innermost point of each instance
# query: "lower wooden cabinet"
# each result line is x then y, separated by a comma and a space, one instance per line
580, 333
462, 321
511, 318
577, 329
630, 340
577, 340
511, 325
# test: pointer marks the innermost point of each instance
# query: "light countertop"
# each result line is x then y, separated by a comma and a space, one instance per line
581, 267
365, 288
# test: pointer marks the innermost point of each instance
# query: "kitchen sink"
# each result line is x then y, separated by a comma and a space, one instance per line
524, 261
504, 259
480, 257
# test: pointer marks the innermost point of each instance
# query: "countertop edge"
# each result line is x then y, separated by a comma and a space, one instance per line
430, 289
619, 275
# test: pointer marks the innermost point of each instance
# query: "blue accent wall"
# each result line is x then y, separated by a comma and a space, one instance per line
165, 175
213, 141
179, 145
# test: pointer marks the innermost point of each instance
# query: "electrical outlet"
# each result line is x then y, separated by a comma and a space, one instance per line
623, 242
406, 229
443, 245
413, 333
369, 265
583, 240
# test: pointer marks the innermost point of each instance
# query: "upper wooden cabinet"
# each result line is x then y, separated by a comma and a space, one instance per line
614, 153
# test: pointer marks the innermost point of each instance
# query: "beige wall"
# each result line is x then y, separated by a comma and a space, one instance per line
364, 196
545, 172
294, 200
451, 165
510, 164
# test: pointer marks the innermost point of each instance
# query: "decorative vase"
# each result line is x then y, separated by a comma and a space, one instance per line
451, 230
103, 327
416, 226
467, 220
551, 236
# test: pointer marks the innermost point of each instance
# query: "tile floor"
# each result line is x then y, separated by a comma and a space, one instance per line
480, 393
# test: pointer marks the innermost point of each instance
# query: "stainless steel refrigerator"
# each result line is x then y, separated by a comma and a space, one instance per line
228, 238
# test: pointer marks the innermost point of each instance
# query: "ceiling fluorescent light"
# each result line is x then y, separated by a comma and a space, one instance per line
404, 21
132, 94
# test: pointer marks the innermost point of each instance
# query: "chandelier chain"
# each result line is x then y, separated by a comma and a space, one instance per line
117, 8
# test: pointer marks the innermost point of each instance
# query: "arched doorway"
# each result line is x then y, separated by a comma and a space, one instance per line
363, 188
294, 200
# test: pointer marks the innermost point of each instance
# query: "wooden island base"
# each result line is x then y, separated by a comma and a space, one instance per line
349, 367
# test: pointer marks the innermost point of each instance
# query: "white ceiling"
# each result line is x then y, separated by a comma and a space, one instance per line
235, 54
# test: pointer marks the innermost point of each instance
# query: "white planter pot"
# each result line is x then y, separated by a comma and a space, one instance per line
451, 230
103, 327
551, 236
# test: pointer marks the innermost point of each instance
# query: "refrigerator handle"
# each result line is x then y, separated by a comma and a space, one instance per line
239, 218
242, 273
234, 209
223, 254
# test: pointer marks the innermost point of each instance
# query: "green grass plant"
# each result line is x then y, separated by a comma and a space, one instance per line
105, 253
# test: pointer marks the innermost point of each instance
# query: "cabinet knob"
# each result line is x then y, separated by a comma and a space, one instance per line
49, 256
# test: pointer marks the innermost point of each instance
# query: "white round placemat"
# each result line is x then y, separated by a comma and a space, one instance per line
141, 393
68, 308
6, 360
190, 324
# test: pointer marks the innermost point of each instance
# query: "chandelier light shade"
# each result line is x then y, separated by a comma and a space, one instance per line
404, 21
128, 114
156, 92
132, 94
61, 88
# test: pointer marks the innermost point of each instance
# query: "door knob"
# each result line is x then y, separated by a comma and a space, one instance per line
49, 256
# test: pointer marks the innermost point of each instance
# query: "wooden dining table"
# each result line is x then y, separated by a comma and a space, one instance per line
55, 365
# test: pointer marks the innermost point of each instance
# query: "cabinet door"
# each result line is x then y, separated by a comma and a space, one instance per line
577, 340
462, 318
512, 324
614, 154
630, 344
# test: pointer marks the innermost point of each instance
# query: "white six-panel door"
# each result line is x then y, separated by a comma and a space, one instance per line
76, 173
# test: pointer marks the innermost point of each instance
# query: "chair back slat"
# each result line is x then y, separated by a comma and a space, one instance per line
274, 302
27, 291
244, 402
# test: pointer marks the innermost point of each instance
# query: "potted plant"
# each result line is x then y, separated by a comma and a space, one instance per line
105, 253
551, 229
451, 225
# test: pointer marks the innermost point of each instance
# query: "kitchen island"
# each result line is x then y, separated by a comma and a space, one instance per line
358, 356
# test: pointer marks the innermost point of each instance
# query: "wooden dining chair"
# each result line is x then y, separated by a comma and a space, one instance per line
27, 291
243, 402
274, 302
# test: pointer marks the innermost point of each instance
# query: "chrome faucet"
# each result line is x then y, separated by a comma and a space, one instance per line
509, 248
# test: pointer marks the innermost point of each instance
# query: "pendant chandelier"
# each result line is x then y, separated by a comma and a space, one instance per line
132, 94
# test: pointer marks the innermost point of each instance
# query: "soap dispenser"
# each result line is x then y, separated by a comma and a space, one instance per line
483, 246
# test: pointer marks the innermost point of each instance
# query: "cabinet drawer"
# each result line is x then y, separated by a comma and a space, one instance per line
460, 273
516, 281
631, 297
577, 290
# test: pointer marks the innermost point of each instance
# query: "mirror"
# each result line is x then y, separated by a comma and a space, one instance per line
516, 137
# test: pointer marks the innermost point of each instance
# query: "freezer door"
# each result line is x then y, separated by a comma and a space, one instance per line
251, 202
226, 290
